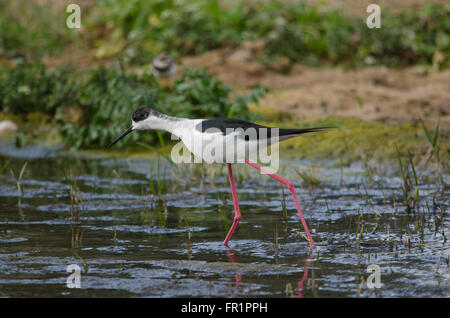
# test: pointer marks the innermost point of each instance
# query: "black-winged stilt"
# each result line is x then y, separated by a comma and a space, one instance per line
222, 140
163, 66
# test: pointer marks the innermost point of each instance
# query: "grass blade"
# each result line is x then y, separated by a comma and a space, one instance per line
399, 158
160, 138
436, 133
426, 132
413, 169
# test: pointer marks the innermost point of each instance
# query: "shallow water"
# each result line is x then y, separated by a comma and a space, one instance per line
134, 233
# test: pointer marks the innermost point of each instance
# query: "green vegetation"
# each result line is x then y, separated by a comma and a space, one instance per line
411, 179
298, 31
19, 178
179, 27
31, 88
310, 34
93, 107
30, 30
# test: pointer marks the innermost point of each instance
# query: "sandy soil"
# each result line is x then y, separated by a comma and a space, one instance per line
373, 93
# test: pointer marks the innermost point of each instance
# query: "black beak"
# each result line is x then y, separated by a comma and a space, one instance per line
121, 136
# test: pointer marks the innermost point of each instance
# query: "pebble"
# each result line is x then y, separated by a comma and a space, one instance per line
7, 126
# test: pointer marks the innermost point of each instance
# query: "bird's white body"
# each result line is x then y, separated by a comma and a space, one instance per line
211, 146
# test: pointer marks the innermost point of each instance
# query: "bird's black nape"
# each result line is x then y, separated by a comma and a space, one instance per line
143, 113
121, 136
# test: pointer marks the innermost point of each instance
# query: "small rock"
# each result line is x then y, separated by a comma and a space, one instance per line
7, 126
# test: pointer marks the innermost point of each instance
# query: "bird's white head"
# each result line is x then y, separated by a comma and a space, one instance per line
144, 118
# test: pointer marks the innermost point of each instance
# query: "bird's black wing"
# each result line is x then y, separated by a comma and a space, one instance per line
225, 125
230, 125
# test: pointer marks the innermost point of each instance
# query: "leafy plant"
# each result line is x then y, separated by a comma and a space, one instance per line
178, 27
93, 107
29, 88
31, 29
106, 99
299, 31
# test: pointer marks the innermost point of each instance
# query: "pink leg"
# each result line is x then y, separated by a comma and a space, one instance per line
300, 282
290, 186
237, 211
231, 258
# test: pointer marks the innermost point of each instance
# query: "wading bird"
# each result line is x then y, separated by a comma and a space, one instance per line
223, 140
163, 66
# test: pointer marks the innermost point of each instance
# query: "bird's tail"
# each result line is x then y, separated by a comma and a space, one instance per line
296, 132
